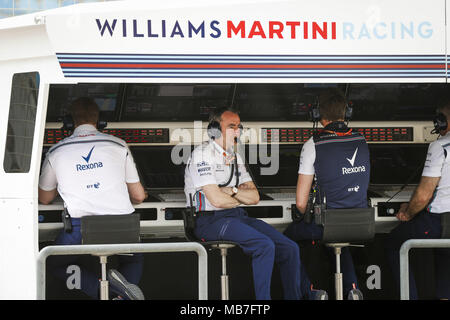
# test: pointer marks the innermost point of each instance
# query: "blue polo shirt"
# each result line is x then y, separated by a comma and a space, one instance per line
339, 158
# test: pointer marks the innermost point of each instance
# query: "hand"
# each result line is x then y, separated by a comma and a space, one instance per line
402, 214
227, 190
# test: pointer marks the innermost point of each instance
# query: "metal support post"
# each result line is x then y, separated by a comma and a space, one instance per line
104, 290
224, 277
338, 276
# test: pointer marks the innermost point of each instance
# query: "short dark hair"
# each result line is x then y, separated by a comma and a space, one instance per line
216, 114
332, 104
444, 106
84, 110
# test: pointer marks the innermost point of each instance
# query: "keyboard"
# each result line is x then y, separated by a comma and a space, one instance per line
173, 197
282, 195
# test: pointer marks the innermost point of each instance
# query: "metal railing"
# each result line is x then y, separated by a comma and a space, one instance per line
404, 261
112, 249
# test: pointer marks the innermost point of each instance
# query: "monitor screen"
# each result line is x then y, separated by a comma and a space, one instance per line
277, 102
397, 164
396, 102
156, 168
173, 102
107, 97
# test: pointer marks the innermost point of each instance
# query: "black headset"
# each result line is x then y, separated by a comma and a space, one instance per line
314, 112
214, 130
439, 122
69, 125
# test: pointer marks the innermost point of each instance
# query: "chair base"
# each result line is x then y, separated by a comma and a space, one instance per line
338, 283
224, 279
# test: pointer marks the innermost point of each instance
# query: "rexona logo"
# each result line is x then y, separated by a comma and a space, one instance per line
88, 166
353, 169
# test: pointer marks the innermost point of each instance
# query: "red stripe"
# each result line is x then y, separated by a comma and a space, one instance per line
200, 200
251, 66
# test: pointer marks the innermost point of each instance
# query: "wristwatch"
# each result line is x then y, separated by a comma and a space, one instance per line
235, 191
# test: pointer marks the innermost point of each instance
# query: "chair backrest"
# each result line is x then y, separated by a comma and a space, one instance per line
445, 222
189, 224
110, 229
348, 225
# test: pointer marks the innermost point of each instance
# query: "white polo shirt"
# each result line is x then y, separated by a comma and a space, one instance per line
209, 163
437, 165
90, 169
307, 158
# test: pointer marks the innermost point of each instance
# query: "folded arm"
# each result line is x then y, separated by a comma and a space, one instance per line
247, 193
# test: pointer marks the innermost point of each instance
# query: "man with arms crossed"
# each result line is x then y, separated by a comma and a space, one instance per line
221, 218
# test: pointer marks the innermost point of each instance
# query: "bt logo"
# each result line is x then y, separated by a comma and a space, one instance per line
95, 186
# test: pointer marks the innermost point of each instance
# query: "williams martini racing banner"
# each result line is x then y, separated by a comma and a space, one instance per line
269, 40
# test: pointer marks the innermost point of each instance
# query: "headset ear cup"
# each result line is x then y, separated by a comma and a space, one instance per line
314, 113
348, 112
101, 124
68, 123
214, 130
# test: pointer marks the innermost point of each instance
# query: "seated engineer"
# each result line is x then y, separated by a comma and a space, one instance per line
338, 160
95, 174
422, 217
220, 217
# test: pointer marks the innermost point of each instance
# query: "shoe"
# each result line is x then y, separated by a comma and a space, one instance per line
120, 286
315, 294
355, 294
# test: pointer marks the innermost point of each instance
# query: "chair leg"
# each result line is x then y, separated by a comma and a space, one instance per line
224, 276
104, 289
338, 275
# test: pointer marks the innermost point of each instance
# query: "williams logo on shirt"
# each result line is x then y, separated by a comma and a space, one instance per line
204, 168
353, 169
89, 166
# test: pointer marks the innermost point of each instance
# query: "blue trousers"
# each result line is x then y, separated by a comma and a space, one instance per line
424, 225
129, 266
300, 230
262, 242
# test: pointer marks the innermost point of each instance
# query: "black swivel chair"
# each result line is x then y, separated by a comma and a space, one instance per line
189, 216
109, 229
343, 228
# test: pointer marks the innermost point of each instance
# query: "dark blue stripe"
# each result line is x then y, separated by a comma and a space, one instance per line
75, 59
76, 142
243, 72
266, 76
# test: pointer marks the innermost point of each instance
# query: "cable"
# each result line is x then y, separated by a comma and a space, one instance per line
412, 176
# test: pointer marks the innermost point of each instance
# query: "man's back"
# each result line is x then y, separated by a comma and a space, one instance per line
342, 168
91, 169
